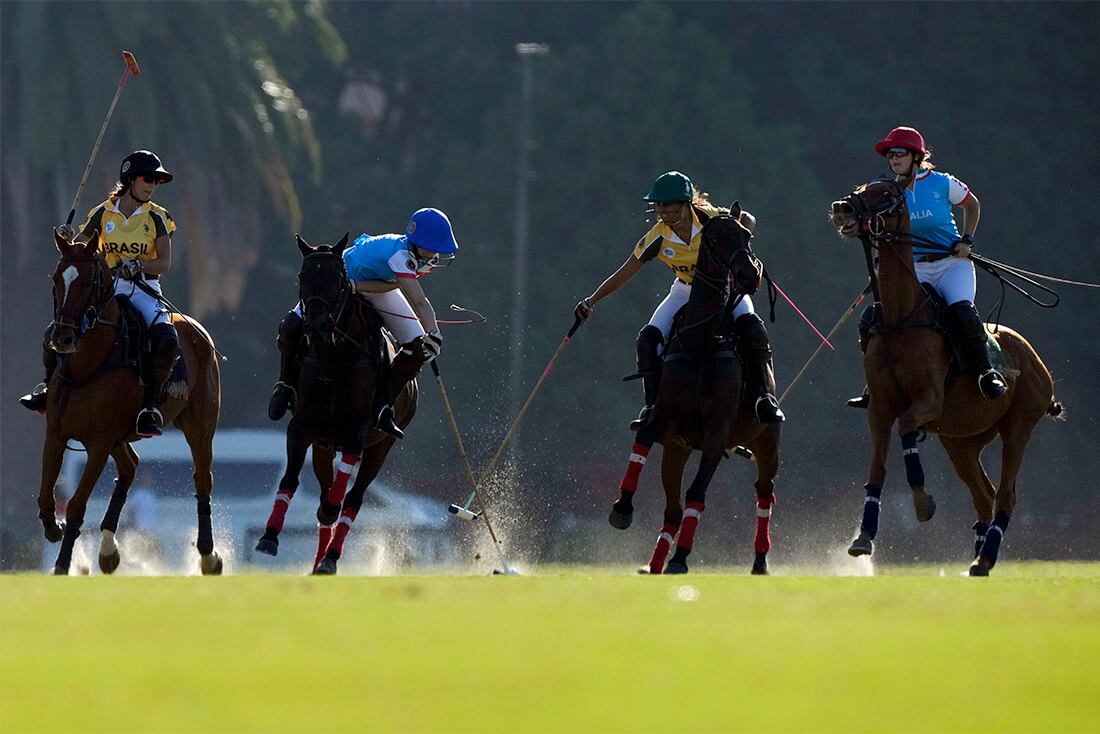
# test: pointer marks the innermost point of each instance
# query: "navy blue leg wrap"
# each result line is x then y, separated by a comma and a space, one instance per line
914, 472
206, 534
68, 540
992, 546
870, 510
980, 529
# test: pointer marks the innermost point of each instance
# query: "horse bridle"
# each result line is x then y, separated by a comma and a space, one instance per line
90, 311
335, 311
717, 283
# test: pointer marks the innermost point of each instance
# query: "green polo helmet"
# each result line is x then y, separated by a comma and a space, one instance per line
671, 186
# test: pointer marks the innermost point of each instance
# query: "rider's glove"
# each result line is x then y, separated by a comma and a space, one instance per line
583, 310
67, 232
433, 344
128, 269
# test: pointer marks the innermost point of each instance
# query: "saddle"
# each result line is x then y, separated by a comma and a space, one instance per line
133, 350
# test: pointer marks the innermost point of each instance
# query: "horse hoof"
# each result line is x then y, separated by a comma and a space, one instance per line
109, 564
327, 567
760, 565
620, 520
268, 546
54, 532
644, 571
861, 546
979, 568
675, 567
60, 571
211, 565
925, 506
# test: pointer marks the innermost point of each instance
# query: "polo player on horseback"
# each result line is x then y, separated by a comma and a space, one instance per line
386, 270
676, 240
939, 251
135, 238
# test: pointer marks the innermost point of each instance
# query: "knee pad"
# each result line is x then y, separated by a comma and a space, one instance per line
406, 365
867, 319
650, 340
163, 340
751, 332
290, 330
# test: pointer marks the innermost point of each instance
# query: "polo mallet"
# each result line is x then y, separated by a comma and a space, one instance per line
131, 68
464, 512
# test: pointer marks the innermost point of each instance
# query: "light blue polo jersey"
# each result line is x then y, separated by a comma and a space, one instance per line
930, 200
381, 257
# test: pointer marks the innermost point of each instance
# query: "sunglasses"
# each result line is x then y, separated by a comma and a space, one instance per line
151, 179
898, 152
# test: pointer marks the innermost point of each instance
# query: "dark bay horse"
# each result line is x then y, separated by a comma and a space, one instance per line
336, 404
93, 398
907, 367
701, 404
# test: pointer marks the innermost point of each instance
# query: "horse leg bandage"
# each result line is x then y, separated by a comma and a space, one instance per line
343, 527
660, 551
324, 537
345, 470
634, 466
992, 546
278, 510
688, 526
914, 472
763, 540
980, 530
870, 510
205, 542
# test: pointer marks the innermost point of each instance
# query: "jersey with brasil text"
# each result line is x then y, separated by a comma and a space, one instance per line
930, 200
128, 238
662, 243
381, 257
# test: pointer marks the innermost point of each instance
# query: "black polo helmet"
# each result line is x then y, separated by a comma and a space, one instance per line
142, 163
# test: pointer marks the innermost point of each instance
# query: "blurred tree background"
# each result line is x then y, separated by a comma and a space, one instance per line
316, 117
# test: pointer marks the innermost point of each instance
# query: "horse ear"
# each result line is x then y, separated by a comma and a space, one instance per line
93, 241
339, 248
735, 209
303, 246
60, 242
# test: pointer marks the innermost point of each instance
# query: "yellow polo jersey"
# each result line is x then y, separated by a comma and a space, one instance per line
133, 238
660, 242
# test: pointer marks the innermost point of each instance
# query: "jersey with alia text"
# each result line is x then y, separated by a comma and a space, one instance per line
930, 200
662, 243
128, 238
381, 257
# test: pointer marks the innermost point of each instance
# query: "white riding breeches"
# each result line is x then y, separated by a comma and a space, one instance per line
952, 277
152, 311
678, 296
396, 313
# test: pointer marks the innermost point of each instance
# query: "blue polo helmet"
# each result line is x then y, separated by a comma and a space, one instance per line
431, 230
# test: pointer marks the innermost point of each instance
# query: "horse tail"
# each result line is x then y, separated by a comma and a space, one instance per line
1056, 410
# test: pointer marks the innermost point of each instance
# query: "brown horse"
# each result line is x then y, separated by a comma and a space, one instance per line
907, 365
701, 404
337, 401
94, 396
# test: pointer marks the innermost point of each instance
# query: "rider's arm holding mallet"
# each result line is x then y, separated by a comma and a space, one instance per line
421, 306
972, 210
163, 262
617, 280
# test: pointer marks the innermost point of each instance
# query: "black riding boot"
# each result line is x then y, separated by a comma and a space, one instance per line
36, 399
649, 367
866, 322
290, 364
969, 331
163, 343
406, 366
752, 341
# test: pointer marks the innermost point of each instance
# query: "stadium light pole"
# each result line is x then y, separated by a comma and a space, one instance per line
526, 52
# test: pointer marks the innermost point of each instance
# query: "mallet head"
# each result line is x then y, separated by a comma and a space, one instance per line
462, 513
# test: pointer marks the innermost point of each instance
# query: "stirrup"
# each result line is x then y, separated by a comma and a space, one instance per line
387, 422
767, 409
36, 399
991, 384
639, 423
154, 430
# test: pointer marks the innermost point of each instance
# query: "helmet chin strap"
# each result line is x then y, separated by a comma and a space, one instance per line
130, 191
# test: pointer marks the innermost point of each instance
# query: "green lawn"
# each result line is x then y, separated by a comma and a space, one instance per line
563, 650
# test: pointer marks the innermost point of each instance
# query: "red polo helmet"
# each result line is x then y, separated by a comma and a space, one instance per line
902, 137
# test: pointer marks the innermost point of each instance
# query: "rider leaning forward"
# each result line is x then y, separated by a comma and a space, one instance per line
386, 270
135, 238
675, 240
940, 252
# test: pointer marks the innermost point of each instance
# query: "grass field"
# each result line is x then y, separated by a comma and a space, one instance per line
561, 650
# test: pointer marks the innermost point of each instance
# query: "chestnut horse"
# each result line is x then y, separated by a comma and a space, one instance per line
907, 367
94, 396
336, 404
700, 403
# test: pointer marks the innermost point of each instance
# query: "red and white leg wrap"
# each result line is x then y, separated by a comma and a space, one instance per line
345, 470
763, 542
324, 537
688, 525
343, 527
634, 466
660, 551
278, 510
